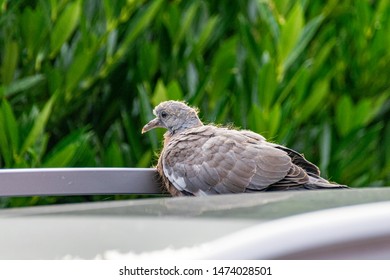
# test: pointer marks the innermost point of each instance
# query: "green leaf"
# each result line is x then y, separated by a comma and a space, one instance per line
302, 86
312, 103
362, 113
146, 113
266, 122
77, 69
376, 105
142, 20
187, 22
134, 139
306, 35
63, 157
172, 21
290, 32
113, 156
323, 55
109, 10
5, 151
145, 160
23, 84
192, 76
11, 126
9, 136
298, 80
160, 93
34, 29
68, 150
55, 79
206, 35
275, 117
267, 85
325, 148
361, 155
222, 66
174, 91
254, 119
386, 153
344, 115
268, 16
38, 126
65, 26
249, 40
10, 61
148, 61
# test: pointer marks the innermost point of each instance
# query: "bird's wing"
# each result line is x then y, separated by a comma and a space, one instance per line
210, 160
300, 160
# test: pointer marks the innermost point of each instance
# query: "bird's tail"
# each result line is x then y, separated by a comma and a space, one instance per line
316, 182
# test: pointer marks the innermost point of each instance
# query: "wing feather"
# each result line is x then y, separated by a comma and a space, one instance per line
218, 160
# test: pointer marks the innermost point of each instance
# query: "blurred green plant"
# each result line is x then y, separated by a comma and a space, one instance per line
78, 79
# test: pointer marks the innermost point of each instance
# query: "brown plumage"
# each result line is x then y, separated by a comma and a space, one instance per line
202, 159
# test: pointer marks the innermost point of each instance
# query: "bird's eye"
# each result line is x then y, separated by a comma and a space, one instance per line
164, 115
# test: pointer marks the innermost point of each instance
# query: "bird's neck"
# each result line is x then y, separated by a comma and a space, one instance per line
175, 131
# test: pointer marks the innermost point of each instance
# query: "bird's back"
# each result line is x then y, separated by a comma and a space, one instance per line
212, 160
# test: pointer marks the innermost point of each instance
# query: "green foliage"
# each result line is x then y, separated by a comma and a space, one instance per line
78, 79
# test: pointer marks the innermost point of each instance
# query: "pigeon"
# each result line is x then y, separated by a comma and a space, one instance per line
199, 160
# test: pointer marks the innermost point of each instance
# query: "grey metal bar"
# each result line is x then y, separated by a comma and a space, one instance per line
78, 181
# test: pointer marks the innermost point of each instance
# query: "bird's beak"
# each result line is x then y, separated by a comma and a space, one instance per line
151, 125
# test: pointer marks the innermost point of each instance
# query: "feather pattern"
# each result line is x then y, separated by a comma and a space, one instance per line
202, 159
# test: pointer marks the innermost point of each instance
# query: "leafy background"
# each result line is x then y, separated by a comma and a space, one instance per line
78, 79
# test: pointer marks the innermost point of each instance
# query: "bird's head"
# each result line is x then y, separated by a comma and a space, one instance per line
175, 116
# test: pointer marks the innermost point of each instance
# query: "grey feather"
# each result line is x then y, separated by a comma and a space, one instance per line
202, 159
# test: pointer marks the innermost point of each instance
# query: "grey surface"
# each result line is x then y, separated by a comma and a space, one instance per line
351, 232
84, 237
258, 206
78, 181
376, 248
312, 224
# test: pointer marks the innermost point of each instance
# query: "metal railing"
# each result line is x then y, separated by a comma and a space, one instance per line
78, 181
